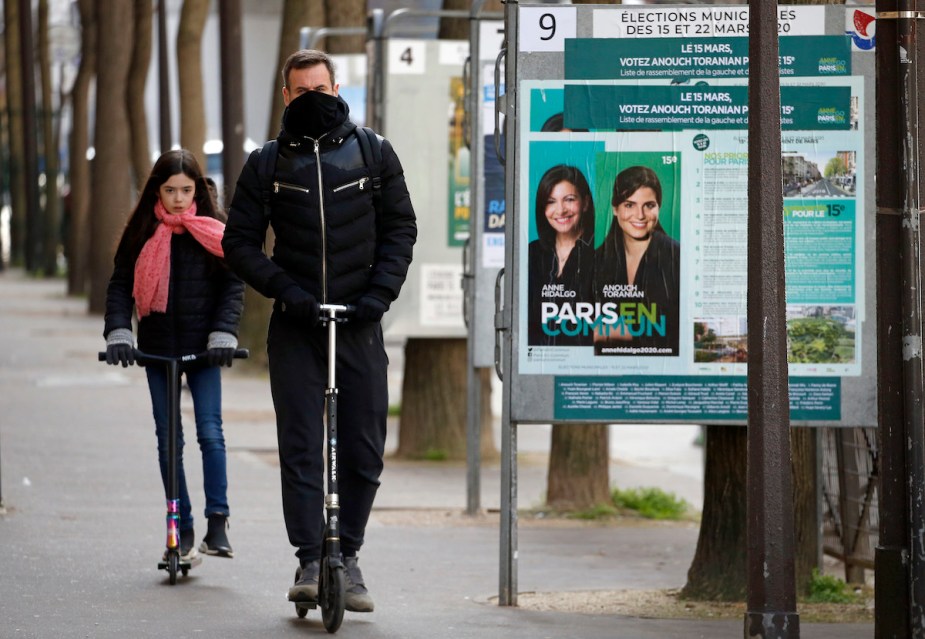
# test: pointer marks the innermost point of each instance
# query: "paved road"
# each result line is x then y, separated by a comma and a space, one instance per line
82, 528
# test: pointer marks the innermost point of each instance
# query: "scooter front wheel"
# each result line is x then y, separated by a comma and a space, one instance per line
173, 565
332, 594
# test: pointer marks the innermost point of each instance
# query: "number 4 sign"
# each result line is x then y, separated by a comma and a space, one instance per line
407, 56
546, 28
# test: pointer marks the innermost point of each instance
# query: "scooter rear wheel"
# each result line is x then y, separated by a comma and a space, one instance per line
300, 609
332, 594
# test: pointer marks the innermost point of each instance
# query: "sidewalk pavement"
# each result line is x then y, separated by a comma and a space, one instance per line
82, 524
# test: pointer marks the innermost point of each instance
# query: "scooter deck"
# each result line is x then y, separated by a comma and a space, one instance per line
308, 605
192, 563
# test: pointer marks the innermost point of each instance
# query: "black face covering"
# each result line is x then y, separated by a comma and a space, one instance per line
313, 114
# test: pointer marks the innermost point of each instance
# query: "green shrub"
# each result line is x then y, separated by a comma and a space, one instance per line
652, 503
829, 589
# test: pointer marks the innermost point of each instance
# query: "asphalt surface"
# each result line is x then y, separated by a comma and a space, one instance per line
82, 522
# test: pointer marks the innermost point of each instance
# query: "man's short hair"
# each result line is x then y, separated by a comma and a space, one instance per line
304, 58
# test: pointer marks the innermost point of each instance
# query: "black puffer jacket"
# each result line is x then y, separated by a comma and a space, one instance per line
329, 239
204, 297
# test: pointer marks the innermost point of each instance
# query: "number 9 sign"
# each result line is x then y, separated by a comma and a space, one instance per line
546, 28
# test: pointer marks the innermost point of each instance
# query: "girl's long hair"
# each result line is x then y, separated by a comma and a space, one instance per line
142, 221
570, 174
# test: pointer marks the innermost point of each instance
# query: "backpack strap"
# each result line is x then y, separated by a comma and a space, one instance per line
266, 169
371, 148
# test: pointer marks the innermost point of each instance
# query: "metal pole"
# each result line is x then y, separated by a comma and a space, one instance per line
313, 36
470, 266
771, 606
911, 268
507, 594
163, 78
30, 159
891, 558
229, 15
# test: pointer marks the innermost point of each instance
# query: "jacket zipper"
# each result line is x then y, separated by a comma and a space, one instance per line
291, 187
361, 183
324, 238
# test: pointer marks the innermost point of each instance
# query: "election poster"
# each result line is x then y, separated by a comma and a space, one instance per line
634, 210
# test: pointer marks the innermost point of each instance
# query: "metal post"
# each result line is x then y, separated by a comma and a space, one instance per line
229, 15
471, 251
891, 558
163, 78
911, 269
771, 606
507, 593
33, 253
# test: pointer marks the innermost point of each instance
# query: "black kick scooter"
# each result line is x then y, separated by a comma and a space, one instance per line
331, 582
172, 562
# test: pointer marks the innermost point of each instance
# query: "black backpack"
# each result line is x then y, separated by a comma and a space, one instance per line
370, 148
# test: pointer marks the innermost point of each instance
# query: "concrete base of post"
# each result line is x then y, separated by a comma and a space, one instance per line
772, 625
891, 565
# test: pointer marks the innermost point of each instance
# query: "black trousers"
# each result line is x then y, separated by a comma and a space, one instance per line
298, 358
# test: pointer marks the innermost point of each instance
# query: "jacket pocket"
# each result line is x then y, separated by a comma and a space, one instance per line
361, 185
285, 186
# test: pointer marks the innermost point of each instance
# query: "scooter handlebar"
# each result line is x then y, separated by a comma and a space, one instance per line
337, 312
143, 358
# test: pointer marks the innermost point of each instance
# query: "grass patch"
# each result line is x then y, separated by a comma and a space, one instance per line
599, 511
435, 454
394, 410
651, 503
830, 589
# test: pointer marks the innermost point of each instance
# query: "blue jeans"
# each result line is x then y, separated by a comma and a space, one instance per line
206, 387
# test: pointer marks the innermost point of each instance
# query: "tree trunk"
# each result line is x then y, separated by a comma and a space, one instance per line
137, 77
111, 181
51, 239
345, 14
433, 406
13, 70
579, 462
189, 67
806, 524
77, 244
296, 14
718, 571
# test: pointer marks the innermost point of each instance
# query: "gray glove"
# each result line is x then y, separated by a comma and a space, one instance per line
220, 348
120, 347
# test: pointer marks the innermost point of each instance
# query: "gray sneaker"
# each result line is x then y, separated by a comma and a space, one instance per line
305, 587
357, 599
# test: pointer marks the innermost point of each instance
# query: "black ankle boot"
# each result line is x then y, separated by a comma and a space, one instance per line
216, 542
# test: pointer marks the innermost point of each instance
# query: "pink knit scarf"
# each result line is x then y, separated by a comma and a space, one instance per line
152, 269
